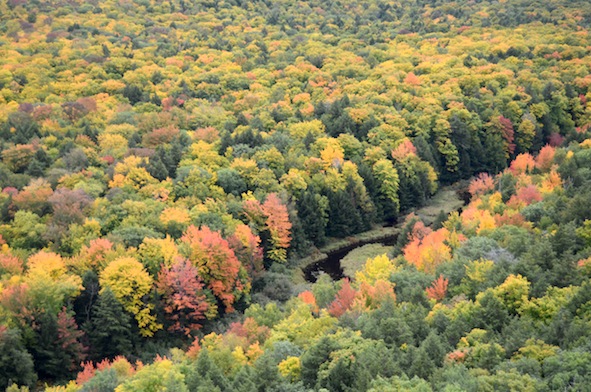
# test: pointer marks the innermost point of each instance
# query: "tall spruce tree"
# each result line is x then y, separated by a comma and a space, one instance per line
109, 329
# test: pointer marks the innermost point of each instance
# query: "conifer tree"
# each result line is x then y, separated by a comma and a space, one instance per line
109, 329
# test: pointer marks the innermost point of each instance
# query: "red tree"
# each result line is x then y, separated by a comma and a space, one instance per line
184, 301
11, 265
308, 298
160, 136
343, 300
438, 288
528, 194
94, 255
35, 198
245, 245
403, 150
545, 158
508, 133
419, 231
523, 163
278, 225
216, 264
68, 339
555, 139
481, 184
251, 330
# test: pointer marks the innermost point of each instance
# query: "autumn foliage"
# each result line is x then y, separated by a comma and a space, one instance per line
523, 163
428, 252
216, 264
438, 288
184, 300
166, 166
482, 184
344, 299
279, 227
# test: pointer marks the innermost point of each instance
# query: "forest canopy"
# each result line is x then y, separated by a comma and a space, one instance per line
166, 165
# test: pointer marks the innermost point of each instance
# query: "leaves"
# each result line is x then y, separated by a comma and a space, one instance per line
429, 252
129, 281
377, 268
344, 300
216, 265
438, 288
279, 227
182, 291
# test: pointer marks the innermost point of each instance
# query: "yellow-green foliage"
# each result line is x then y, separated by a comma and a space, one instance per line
130, 282
377, 268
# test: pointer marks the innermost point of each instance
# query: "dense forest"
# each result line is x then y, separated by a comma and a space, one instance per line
166, 165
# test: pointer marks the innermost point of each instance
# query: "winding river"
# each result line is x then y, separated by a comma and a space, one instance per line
331, 265
448, 199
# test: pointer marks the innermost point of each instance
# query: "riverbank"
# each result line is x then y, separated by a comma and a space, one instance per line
447, 199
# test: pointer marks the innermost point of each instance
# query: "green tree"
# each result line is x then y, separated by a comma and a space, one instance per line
16, 364
109, 328
313, 216
204, 372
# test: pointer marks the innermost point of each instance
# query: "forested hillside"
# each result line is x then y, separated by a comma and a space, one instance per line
166, 164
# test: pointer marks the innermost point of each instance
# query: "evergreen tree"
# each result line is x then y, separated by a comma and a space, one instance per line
206, 374
157, 169
267, 374
312, 216
344, 218
244, 380
16, 364
109, 329
313, 359
55, 346
86, 300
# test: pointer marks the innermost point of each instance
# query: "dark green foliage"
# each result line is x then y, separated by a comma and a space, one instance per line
267, 374
312, 217
314, 357
197, 94
244, 380
16, 364
387, 324
231, 182
569, 370
491, 315
88, 297
133, 93
54, 346
344, 218
134, 235
410, 286
109, 328
19, 128
157, 169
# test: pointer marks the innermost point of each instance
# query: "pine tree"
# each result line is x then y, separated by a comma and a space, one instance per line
312, 217
157, 169
344, 217
16, 364
243, 380
205, 373
267, 374
55, 346
109, 329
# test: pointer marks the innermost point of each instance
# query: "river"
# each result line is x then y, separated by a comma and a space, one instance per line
448, 199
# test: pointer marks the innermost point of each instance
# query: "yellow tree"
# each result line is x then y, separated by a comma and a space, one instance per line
378, 268
48, 282
129, 281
